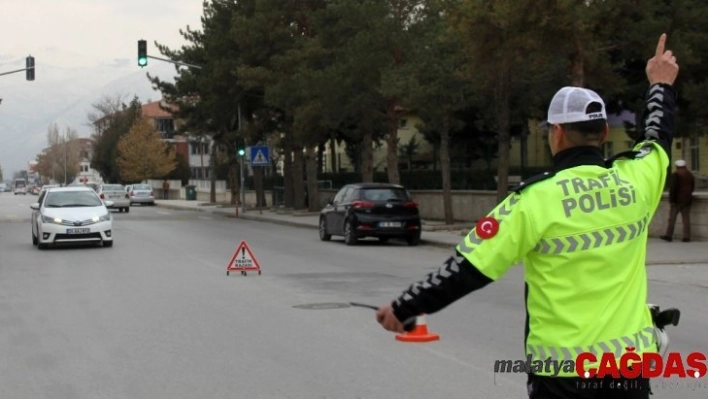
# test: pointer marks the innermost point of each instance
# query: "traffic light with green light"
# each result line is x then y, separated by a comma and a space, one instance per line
142, 53
29, 65
240, 147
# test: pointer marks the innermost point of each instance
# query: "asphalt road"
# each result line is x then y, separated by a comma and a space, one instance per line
156, 316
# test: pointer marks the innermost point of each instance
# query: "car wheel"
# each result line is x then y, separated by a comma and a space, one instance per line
35, 240
127, 209
41, 245
323, 230
108, 244
349, 234
413, 241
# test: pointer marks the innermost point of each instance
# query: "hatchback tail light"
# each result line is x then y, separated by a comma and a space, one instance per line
127, 196
363, 205
103, 196
151, 194
132, 193
411, 204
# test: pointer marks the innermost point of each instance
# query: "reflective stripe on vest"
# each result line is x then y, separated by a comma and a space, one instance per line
643, 340
593, 239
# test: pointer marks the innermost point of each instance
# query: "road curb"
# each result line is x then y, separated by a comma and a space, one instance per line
423, 241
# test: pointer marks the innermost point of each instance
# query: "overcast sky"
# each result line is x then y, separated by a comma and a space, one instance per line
90, 32
83, 49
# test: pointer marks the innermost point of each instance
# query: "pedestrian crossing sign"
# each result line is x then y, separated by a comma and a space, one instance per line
260, 156
243, 260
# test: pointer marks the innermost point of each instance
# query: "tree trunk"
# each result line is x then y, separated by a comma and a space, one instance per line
212, 166
333, 154
503, 116
320, 156
445, 168
578, 77
298, 178
288, 195
313, 203
367, 157
392, 144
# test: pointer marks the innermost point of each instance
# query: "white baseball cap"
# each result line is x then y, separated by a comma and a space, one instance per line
570, 105
681, 163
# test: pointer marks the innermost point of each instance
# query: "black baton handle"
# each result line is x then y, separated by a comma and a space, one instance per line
408, 325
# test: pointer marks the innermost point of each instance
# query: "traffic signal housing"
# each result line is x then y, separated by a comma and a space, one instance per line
29, 68
142, 53
240, 147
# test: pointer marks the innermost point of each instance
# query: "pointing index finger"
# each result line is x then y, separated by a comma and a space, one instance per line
660, 46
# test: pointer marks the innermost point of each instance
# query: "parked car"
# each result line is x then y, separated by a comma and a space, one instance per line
71, 215
115, 193
140, 194
4, 188
371, 210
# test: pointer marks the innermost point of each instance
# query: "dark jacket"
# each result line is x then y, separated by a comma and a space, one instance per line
681, 187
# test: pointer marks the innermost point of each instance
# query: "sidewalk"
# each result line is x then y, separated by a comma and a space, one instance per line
659, 252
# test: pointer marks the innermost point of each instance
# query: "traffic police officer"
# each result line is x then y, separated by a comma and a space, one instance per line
581, 232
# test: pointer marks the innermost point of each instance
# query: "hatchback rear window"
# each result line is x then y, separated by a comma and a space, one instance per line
385, 194
141, 187
113, 187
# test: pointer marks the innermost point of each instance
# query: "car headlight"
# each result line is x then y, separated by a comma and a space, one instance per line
102, 218
47, 219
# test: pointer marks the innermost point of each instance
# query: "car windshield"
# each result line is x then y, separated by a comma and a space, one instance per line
113, 187
19, 184
385, 194
70, 199
141, 187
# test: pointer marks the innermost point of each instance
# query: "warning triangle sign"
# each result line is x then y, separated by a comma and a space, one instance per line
260, 159
243, 260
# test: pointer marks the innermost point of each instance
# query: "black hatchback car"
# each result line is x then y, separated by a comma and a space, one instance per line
371, 210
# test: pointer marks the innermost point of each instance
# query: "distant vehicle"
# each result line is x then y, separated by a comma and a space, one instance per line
45, 188
115, 193
140, 194
71, 215
371, 210
4, 188
20, 186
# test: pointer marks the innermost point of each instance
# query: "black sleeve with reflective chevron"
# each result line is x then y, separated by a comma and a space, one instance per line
456, 278
658, 118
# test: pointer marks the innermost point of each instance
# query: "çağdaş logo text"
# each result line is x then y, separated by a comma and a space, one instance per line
630, 365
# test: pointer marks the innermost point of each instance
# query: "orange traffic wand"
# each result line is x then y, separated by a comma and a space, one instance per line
419, 333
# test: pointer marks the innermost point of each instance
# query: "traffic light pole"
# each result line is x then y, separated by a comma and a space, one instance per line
175, 62
16, 71
243, 178
243, 188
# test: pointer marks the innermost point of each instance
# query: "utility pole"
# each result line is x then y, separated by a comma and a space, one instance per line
243, 179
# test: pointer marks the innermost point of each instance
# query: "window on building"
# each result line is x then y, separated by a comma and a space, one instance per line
165, 125
695, 154
195, 148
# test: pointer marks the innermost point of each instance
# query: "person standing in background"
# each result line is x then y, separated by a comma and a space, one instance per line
165, 189
680, 196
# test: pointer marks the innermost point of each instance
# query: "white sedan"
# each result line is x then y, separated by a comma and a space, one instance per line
71, 215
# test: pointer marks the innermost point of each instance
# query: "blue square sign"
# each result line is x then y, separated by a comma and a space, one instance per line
260, 156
